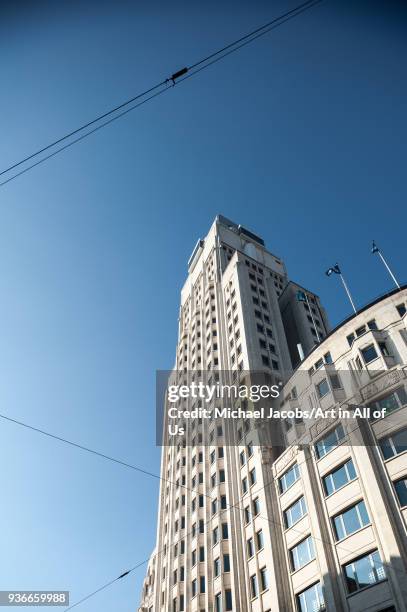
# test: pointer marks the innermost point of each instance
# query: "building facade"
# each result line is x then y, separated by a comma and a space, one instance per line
262, 525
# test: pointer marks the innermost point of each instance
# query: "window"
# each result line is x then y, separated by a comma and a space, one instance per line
216, 567
295, 512
401, 309
350, 339
289, 478
323, 388
252, 476
244, 485
218, 602
250, 548
202, 584
253, 586
350, 521
242, 458
247, 515
364, 571
360, 331
263, 579
221, 475
260, 539
202, 553
228, 599
226, 563
335, 381
369, 353
193, 560
394, 444
256, 506
401, 491
302, 553
329, 442
225, 531
339, 477
223, 502
319, 364
390, 402
194, 589
372, 324
312, 599
215, 536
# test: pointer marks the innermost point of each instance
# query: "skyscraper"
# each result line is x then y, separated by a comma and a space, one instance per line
231, 535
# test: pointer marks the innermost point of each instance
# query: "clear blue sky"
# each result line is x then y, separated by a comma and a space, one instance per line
300, 137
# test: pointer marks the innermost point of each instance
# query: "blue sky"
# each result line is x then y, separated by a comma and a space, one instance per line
301, 137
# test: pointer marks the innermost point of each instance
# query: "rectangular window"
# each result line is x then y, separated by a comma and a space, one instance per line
289, 478
253, 586
339, 477
295, 512
202, 553
226, 563
401, 309
311, 600
401, 491
260, 539
225, 531
252, 476
390, 402
364, 571
202, 584
215, 536
263, 579
244, 485
218, 602
323, 388
351, 520
302, 553
369, 353
228, 599
216, 567
256, 506
250, 548
194, 587
329, 442
247, 515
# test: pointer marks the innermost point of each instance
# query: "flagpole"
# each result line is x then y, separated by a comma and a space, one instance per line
348, 292
336, 270
375, 249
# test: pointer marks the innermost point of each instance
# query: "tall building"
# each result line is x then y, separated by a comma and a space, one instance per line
305, 514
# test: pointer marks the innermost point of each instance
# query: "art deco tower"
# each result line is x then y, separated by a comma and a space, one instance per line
230, 320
